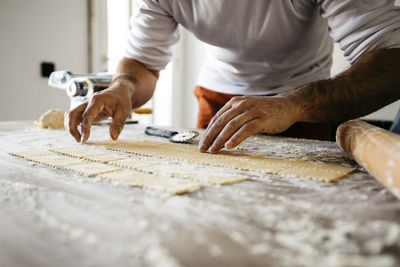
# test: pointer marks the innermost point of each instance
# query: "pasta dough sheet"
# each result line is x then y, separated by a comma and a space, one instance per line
56, 161
318, 171
153, 182
47, 158
104, 158
30, 153
108, 171
135, 164
190, 154
160, 168
77, 152
204, 176
93, 168
88, 154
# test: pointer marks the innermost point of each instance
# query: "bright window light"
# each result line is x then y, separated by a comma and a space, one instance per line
118, 16
118, 13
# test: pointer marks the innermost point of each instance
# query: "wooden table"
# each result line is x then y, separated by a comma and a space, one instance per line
57, 218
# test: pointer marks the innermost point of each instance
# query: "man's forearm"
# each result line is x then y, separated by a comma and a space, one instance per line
371, 83
140, 80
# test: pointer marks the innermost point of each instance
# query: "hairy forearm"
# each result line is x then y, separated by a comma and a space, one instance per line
371, 83
139, 80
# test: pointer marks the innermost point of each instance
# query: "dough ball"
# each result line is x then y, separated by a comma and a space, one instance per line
53, 119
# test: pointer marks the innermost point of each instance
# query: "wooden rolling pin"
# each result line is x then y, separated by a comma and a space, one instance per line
376, 149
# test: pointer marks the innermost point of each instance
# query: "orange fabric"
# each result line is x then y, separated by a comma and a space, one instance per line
210, 102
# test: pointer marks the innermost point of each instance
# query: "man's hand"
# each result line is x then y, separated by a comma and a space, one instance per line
369, 84
113, 102
132, 86
244, 116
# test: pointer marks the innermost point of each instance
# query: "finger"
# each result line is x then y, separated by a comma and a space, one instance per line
233, 103
229, 130
247, 130
94, 108
118, 123
105, 113
74, 118
224, 109
101, 116
216, 128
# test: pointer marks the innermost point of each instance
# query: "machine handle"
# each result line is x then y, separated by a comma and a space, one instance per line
159, 132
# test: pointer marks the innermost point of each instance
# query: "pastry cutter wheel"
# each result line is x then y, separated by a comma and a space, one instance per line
173, 136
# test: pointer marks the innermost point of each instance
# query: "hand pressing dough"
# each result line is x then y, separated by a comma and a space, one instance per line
153, 182
190, 154
53, 119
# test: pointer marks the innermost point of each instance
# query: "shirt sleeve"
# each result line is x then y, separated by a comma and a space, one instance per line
362, 26
153, 32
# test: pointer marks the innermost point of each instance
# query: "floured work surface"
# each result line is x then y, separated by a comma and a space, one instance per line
56, 217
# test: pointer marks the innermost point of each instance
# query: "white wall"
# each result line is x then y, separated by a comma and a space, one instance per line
33, 31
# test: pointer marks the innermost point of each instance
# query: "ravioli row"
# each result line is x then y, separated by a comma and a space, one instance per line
160, 176
190, 154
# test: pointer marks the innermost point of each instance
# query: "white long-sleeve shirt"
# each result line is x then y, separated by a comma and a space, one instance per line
260, 47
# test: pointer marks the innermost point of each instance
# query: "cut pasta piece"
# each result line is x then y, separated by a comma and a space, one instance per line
153, 182
93, 168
